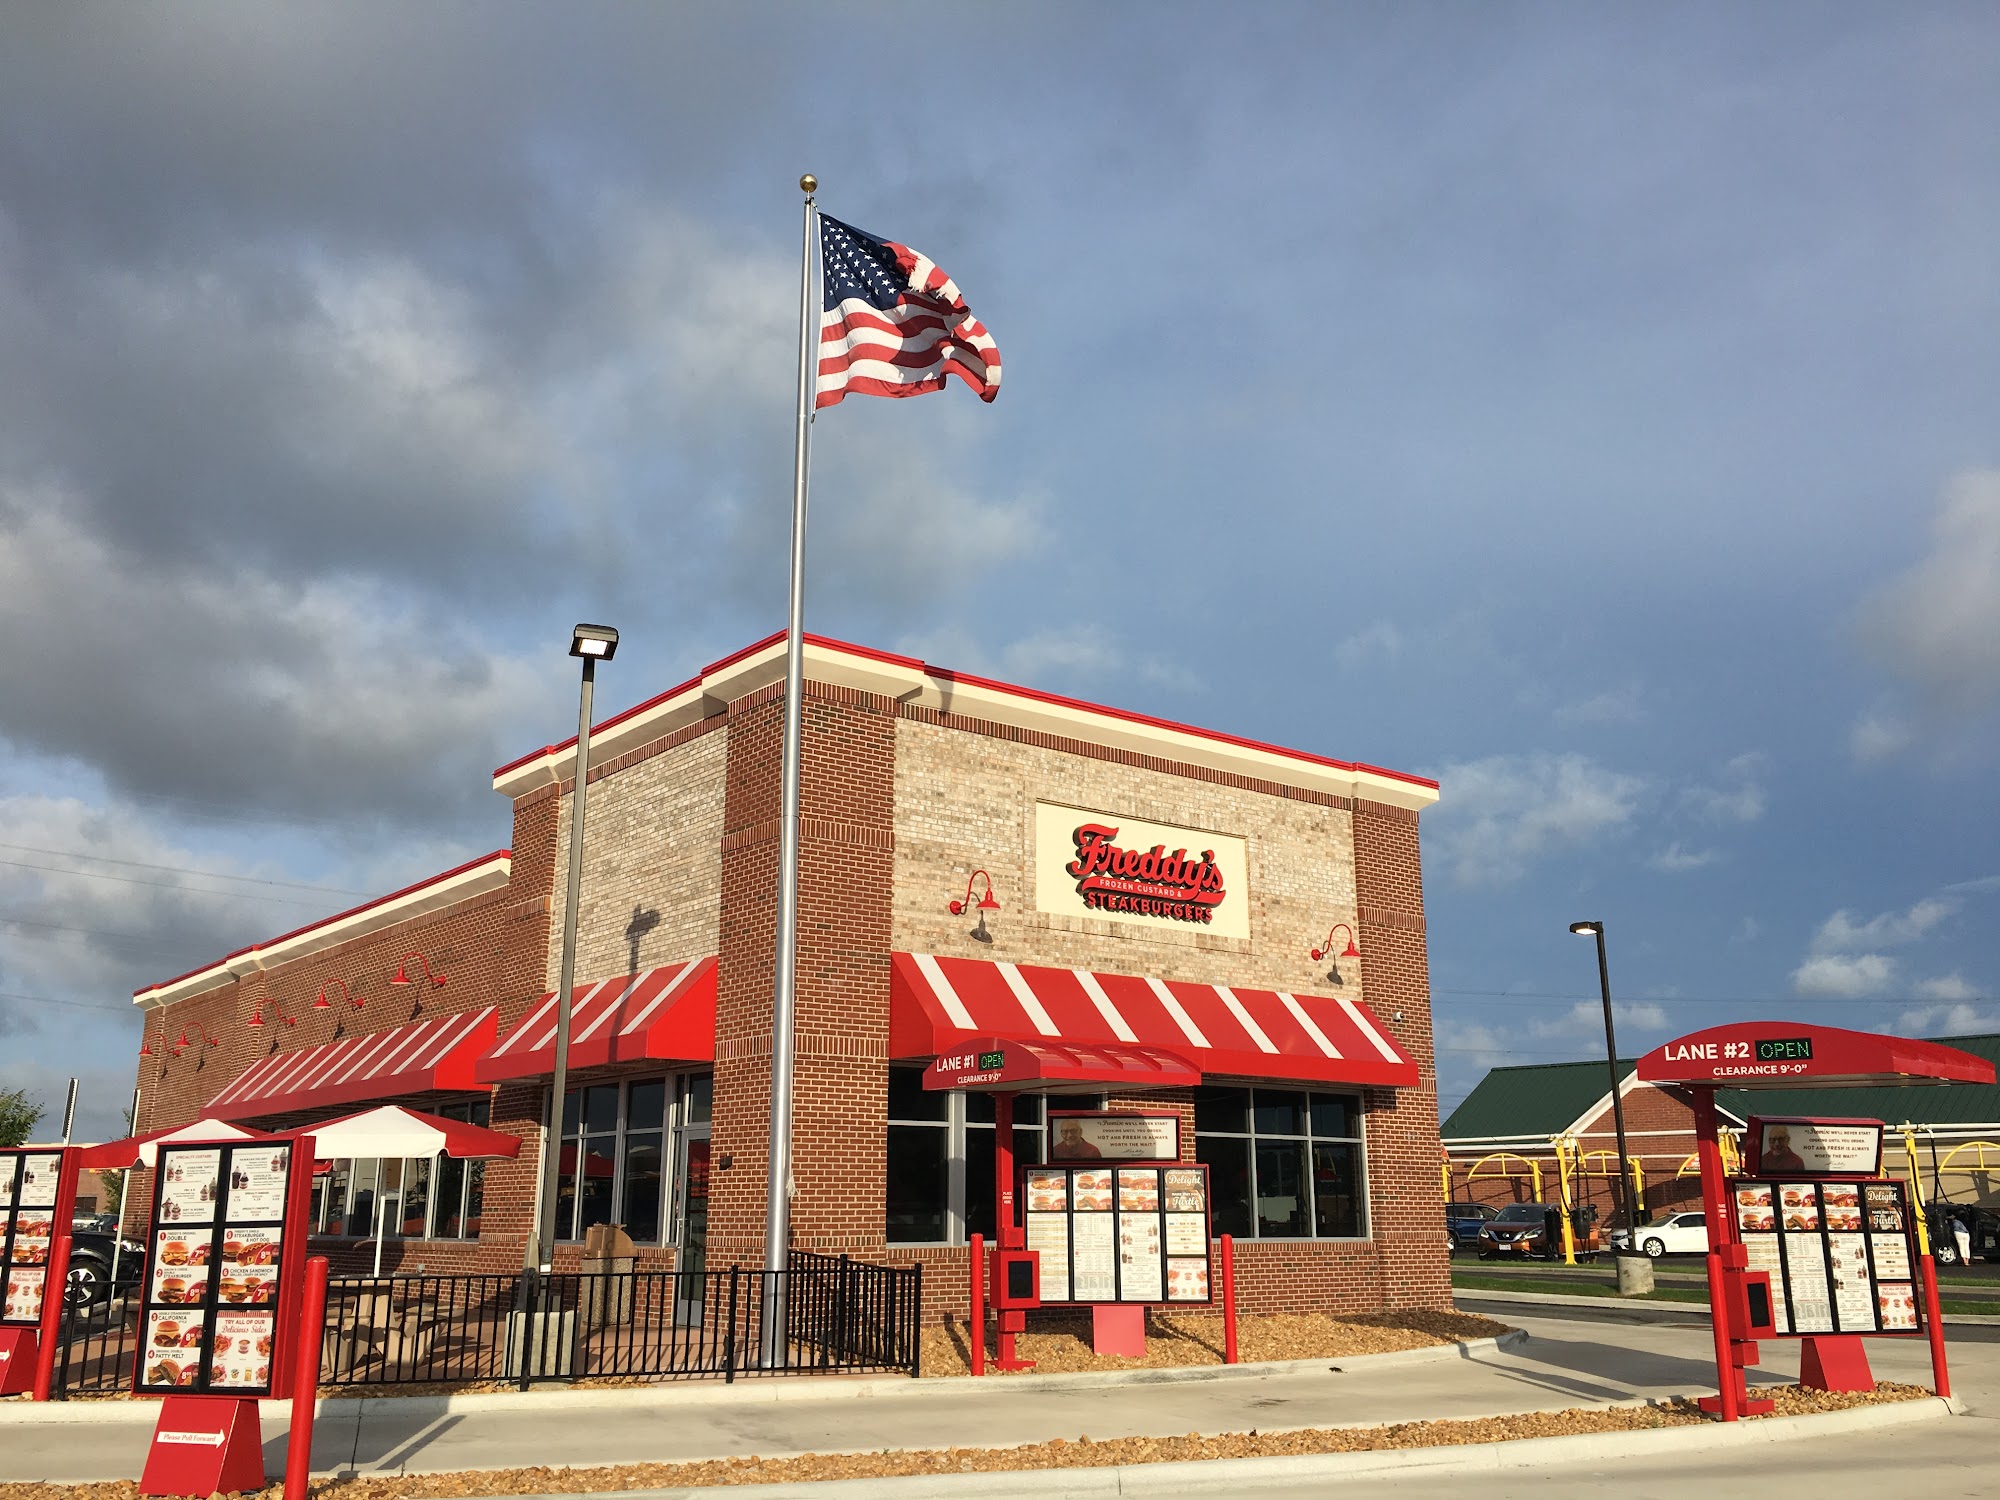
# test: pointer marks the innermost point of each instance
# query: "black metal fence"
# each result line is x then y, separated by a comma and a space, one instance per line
837, 1316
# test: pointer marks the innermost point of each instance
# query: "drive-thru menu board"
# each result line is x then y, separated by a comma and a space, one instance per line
1842, 1255
1119, 1232
28, 1184
212, 1277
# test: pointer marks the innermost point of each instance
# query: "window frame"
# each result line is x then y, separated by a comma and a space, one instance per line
676, 1125
1306, 1139
959, 1131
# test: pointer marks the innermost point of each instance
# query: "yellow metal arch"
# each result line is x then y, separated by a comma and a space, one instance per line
1533, 1173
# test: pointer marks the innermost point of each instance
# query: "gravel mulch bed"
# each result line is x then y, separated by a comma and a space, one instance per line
1083, 1453
1059, 1343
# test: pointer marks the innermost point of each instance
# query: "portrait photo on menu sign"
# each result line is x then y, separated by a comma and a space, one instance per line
1816, 1148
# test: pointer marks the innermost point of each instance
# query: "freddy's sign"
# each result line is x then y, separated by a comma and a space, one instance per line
1097, 865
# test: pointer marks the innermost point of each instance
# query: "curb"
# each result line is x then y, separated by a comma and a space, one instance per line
1656, 1304
758, 1391
1240, 1476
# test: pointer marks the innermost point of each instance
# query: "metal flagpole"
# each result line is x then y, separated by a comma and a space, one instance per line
778, 1185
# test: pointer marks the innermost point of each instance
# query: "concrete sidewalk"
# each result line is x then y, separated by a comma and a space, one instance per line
1561, 1364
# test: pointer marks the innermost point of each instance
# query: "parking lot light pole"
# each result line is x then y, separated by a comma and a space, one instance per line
593, 644
1596, 929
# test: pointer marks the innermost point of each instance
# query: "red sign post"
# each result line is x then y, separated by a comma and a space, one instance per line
1833, 1251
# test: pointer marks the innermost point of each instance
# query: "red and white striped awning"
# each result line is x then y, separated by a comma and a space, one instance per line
417, 1058
666, 1013
939, 1004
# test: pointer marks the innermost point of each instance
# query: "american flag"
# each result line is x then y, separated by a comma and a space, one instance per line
893, 324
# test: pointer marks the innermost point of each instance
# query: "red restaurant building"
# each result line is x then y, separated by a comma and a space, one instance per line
1253, 910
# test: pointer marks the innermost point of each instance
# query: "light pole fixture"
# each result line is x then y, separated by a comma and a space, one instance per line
402, 974
1325, 950
1596, 929
985, 904
592, 644
320, 1002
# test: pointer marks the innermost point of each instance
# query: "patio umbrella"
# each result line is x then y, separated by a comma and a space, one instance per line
144, 1150
391, 1130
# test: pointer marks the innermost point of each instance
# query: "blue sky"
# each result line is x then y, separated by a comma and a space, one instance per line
1597, 408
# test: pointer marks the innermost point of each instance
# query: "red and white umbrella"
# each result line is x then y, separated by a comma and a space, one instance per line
144, 1150
392, 1130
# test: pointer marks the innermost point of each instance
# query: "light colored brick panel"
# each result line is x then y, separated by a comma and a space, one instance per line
652, 847
967, 801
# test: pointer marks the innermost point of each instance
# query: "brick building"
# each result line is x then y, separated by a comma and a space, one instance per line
1222, 864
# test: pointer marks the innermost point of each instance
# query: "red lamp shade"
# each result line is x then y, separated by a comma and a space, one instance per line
145, 1049
402, 974
1350, 951
984, 903
256, 1017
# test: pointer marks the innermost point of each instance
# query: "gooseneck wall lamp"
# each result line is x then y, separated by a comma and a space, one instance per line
402, 974
1596, 929
1325, 950
320, 1002
985, 904
257, 1015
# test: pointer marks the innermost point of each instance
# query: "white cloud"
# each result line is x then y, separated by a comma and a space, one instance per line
1619, 706
1586, 1018
1938, 625
1748, 930
1738, 797
1843, 976
1501, 815
1952, 986
1380, 640
1946, 1020
1879, 736
1676, 860
1840, 933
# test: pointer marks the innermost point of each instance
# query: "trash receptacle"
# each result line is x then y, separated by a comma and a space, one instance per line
608, 1263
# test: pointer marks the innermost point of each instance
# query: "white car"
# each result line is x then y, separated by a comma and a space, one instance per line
1674, 1234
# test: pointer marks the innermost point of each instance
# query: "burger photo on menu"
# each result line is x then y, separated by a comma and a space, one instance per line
1092, 1189
1048, 1192
1755, 1195
1755, 1219
1139, 1190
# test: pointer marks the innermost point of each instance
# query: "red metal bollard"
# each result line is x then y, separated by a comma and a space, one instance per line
975, 1337
305, 1381
1940, 1377
1228, 1300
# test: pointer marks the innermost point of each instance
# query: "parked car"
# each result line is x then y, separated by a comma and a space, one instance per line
90, 1256
1674, 1234
1518, 1229
1463, 1221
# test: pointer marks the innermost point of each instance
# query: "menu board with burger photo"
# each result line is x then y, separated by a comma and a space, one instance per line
217, 1240
1119, 1232
29, 1181
1839, 1252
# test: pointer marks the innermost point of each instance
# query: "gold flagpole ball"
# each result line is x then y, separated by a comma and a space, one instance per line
809, 183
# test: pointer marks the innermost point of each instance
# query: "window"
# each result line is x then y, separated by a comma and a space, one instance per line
614, 1167
420, 1198
940, 1158
1282, 1163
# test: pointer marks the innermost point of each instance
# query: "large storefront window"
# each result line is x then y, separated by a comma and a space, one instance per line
415, 1198
940, 1159
1283, 1163
617, 1140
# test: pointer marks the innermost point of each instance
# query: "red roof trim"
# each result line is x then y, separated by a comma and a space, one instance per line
943, 674
342, 916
